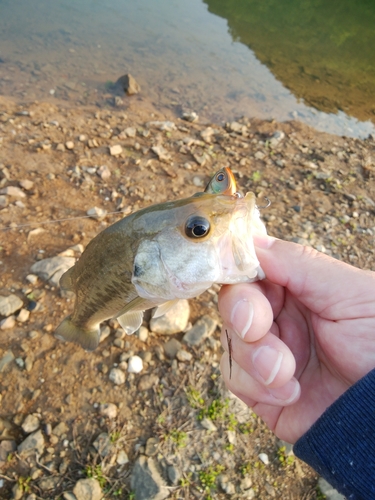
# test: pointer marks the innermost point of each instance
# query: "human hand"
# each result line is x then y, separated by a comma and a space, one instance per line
300, 338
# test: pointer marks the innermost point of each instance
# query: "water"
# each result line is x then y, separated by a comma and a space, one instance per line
184, 57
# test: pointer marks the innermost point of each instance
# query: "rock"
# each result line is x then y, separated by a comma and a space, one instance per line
148, 381
207, 423
48, 483
277, 137
68, 495
108, 410
129, 84
52, 268
174, 475
87, 489
30, 424
152, 446
17, 492
264, 458
184, 356
3, 201
161, 153
202, 329
103, 444
164, 126
26, 184
172, 347
104, 172
60, 429
329, 492
13, 191
117, 376
10, 304
115, 150
142, 334
236, 127
131, 131
6, 448
226, 485
96, 213
190, 116
135, 364
33, 443
5, 360
8, 323
69, 145
174, 321
122, 458
146, 480
23, 315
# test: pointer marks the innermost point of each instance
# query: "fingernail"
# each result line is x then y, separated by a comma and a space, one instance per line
263, 241
286, 394
267, 362
242, 317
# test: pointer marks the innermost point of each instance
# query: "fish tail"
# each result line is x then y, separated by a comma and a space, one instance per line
88, 339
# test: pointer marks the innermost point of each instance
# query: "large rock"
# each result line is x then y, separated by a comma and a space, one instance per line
146, 480
129, 84
174, 321
203, 328
52, 268
33, 443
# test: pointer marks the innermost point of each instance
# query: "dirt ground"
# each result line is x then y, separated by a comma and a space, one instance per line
322, 194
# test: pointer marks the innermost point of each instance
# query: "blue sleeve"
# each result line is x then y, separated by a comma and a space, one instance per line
340, 446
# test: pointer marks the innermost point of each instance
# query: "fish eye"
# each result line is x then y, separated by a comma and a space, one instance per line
197, 227
220, 177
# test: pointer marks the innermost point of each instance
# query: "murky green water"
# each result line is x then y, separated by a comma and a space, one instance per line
294, 59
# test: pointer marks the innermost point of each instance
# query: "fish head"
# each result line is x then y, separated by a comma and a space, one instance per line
196, 242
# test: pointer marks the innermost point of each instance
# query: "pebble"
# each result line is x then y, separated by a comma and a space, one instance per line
174, 321
30, 424
190, 117
147, 382
7, 446
104, 172
8, 323
143, 334
202, 329
122, 458
33, 443
207, 423
174, 475
96, 213
161, 153
26, 184
146, 480
165, 126
117, 376
3, 201
87, 489
23, 315
115, 150
264, 458
131, 131
135, 364
129, 84
13, 191
60, 429
9, 304
108, 410
152, 446
172, 347
32, 279
103, 444
184, 356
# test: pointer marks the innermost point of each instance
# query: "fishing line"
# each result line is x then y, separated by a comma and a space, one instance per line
54, 221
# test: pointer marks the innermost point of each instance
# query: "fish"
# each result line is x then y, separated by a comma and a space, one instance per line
158, 255
223, 182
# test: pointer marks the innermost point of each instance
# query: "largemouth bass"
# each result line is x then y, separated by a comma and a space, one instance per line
160, 254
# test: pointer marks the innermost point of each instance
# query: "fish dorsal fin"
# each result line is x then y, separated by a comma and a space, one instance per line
66, 282
130, 321
164, 308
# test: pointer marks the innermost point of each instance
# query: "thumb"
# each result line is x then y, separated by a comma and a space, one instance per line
320, 282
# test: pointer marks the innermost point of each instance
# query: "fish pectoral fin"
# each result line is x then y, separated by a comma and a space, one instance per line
130, 321
164, 308
68, 331
66, 280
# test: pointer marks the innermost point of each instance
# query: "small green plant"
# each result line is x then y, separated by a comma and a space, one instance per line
194, 398
232, 422
114, 436
24, 483
256, 176
186, 481
245, 428
229, 448
245, 468
215, 411
208, 477
179, 438
96, 472
285, 459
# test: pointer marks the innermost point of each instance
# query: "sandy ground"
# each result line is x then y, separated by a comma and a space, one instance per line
322, 194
